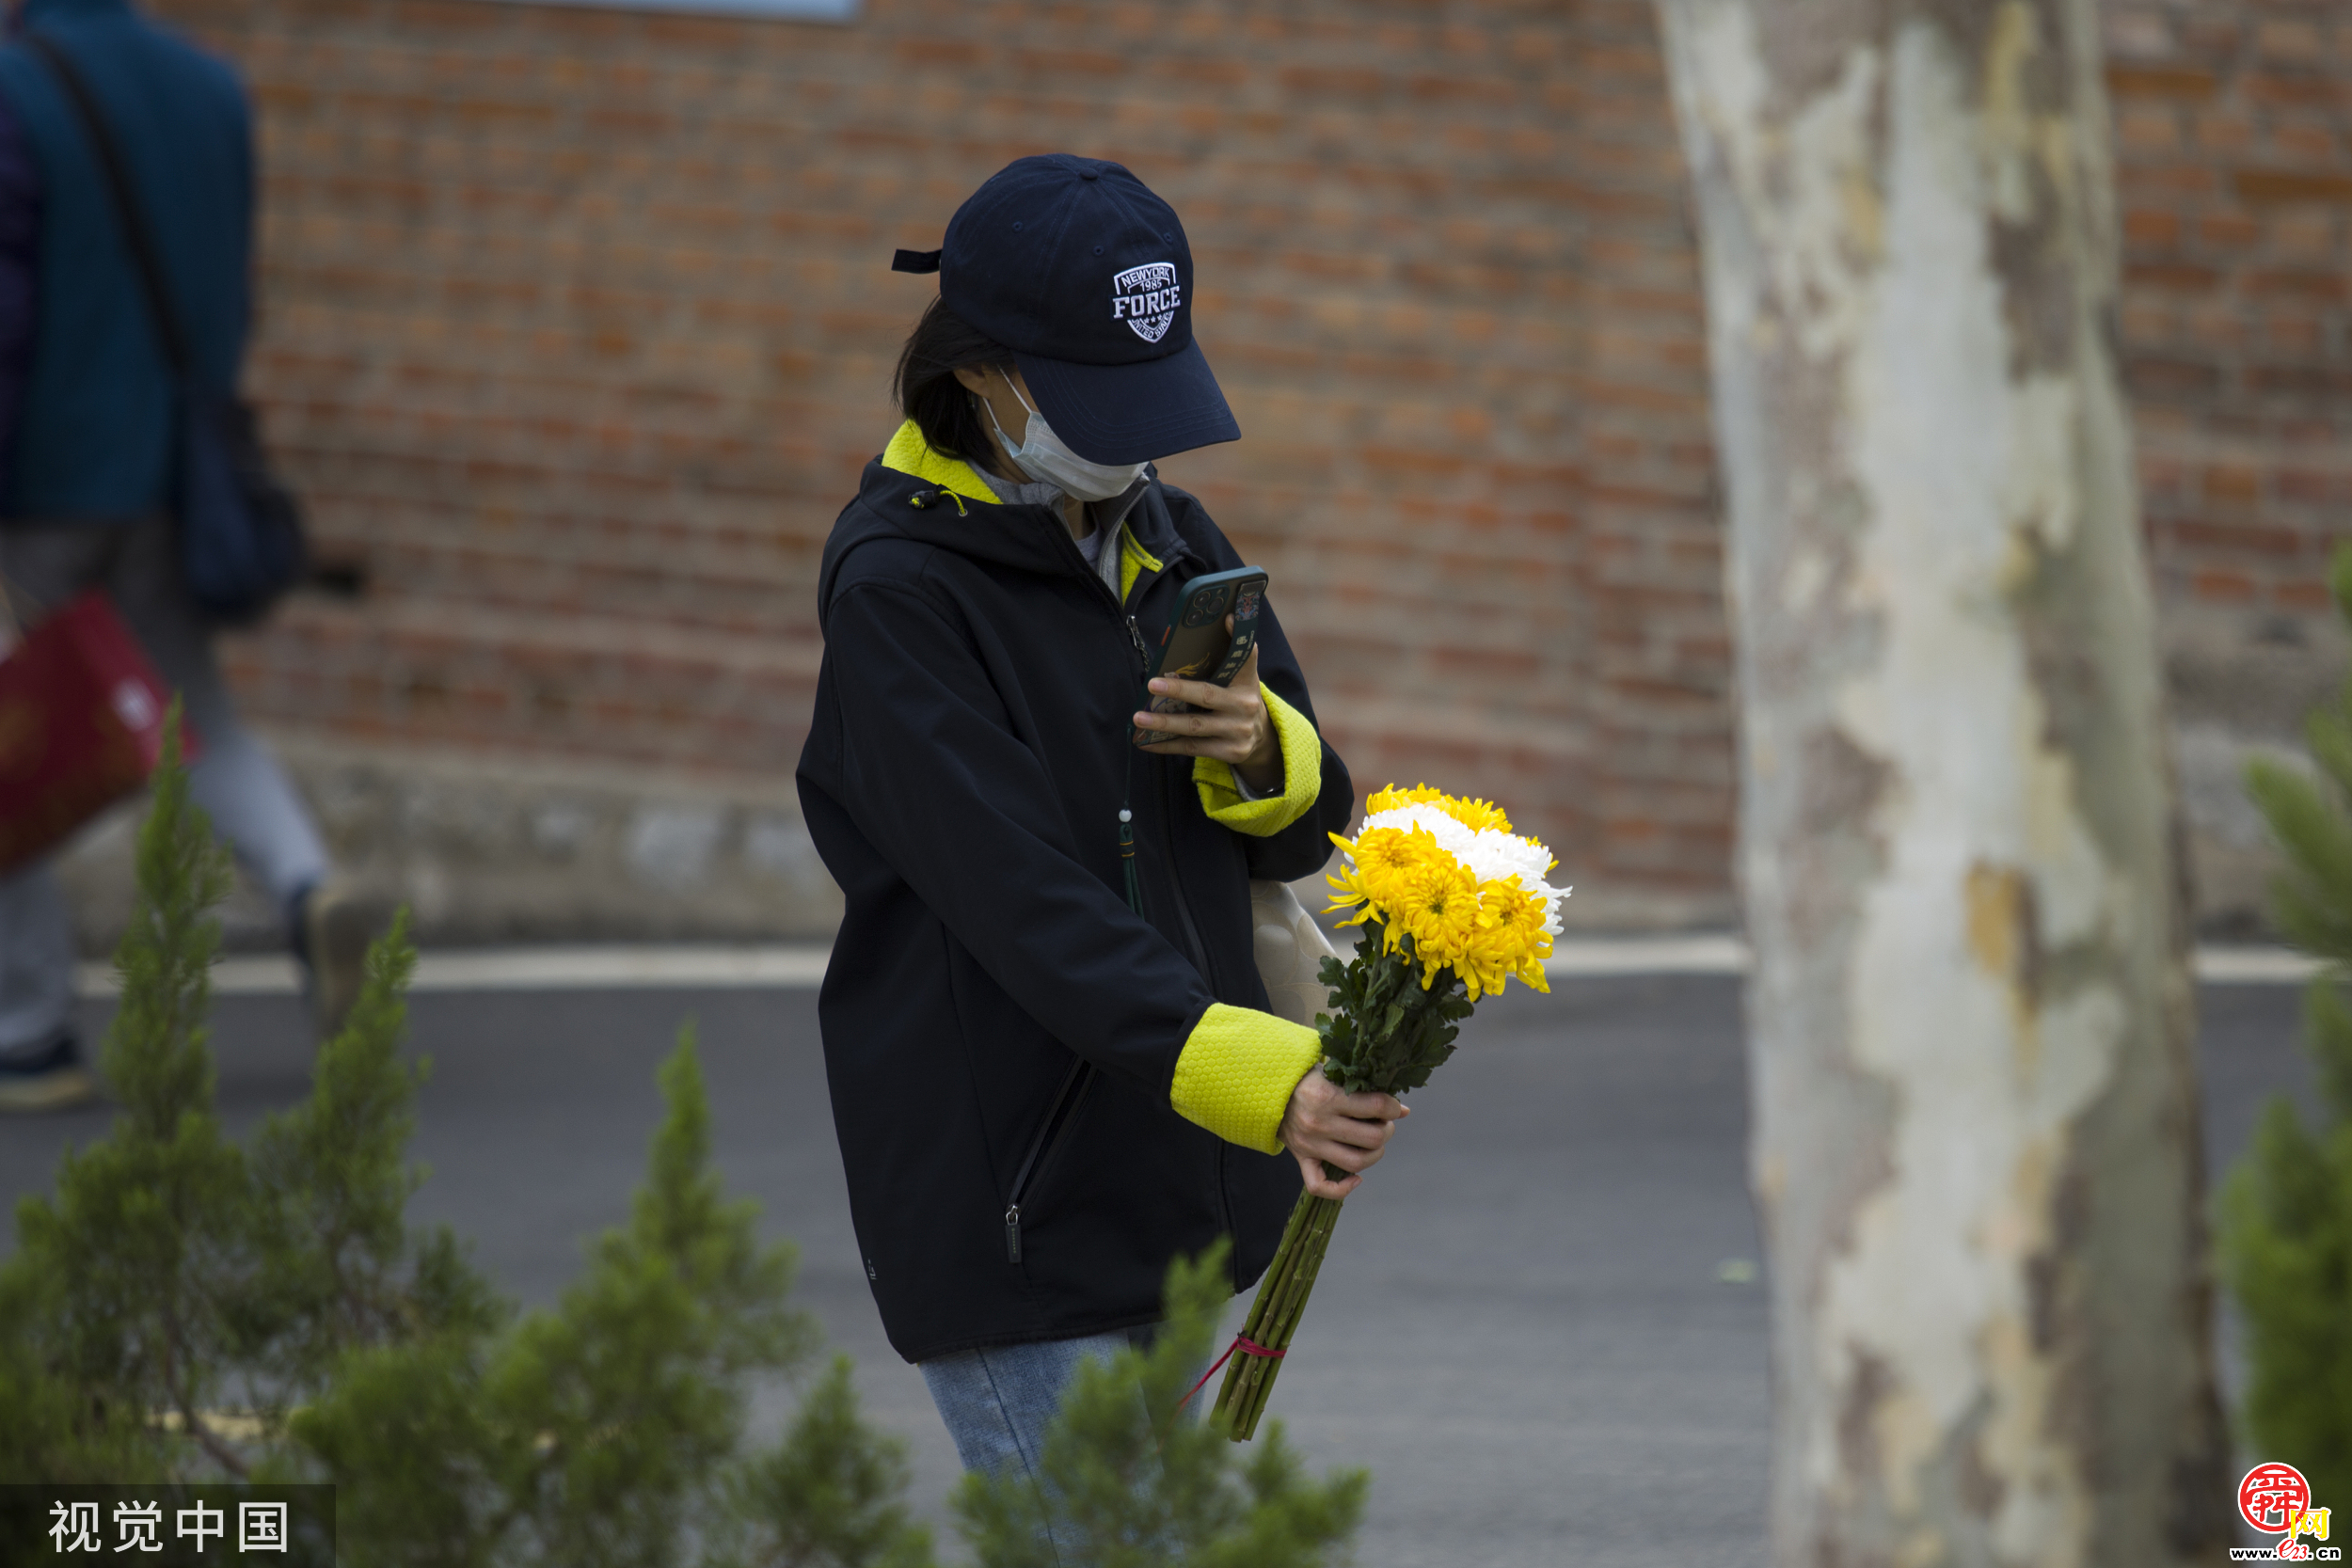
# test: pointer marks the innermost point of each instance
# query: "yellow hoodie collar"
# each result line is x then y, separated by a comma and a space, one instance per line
909, 453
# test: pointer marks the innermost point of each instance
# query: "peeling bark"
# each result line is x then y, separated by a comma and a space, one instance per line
1975, 1108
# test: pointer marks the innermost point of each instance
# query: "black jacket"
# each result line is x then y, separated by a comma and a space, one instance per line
962, 779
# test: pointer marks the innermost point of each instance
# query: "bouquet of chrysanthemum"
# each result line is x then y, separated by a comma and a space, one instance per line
1453, 904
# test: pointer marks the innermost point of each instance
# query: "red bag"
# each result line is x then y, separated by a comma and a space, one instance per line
81, 725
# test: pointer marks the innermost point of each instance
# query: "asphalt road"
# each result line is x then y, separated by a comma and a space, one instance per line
1521, 1330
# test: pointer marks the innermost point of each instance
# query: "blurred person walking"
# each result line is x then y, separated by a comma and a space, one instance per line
90, 410
1051, 1064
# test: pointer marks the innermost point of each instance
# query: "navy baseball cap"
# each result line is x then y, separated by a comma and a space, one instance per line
1075, 265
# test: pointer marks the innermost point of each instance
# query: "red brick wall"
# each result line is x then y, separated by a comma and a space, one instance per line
1658, 656
578, 324
2234, 131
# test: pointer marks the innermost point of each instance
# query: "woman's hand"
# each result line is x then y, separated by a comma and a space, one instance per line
1326, 1123
1235, 728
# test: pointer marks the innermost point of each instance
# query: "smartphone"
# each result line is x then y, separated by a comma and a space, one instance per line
1196, 647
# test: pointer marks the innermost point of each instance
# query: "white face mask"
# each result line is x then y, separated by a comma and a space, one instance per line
1043, 458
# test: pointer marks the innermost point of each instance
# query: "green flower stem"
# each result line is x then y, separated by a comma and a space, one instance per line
1264, 1310
1315, 1245
1255, 1323
1274, 1316
1385, 1032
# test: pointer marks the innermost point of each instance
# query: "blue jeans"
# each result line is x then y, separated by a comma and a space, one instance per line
999, 1401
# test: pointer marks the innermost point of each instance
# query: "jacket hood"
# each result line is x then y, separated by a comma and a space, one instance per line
910, 492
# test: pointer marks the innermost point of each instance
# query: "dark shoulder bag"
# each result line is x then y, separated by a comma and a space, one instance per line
240, 529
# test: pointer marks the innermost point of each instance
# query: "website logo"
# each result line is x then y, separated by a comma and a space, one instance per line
2276, 1500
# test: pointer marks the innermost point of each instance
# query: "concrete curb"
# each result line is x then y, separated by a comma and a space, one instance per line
802, 966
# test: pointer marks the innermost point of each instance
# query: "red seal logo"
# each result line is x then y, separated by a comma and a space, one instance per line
2273, 1497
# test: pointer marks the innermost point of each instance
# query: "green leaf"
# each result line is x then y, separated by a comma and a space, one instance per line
2284, 1222
336, 1265
137, 1253
2327, 1024
1130, 1480
831, 1493
2285, 1235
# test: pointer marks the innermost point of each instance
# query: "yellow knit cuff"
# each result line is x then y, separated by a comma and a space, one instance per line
1237, 1071
1302, 778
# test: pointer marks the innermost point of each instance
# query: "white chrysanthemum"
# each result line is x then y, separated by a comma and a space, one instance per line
1454, 838
1489, 853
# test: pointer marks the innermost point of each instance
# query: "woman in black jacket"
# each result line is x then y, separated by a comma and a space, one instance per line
1046, 1088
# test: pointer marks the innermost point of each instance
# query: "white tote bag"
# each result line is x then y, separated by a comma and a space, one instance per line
1290, 947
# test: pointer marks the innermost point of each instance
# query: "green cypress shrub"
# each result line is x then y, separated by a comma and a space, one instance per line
122, 1311
183, 1309
2286, 1211
609, 1429
1130, 1481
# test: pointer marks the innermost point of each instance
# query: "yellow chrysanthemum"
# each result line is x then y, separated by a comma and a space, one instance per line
1377, 861
1394, 796
1473, 814
1510, 939
1348, 892
1436, 904
1386, 852
1407, 881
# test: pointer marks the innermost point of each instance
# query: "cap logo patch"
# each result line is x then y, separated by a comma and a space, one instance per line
1147, 298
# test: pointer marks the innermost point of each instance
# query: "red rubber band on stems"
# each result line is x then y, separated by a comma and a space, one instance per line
1243, 1343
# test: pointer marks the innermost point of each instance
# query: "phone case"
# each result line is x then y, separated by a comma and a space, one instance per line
1195, 645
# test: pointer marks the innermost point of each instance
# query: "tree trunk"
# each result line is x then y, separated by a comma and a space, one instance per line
1976, 1145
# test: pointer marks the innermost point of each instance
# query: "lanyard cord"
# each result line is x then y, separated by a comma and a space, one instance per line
1127, 832
1127, 781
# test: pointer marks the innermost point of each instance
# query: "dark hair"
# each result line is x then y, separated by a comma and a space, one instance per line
941, 345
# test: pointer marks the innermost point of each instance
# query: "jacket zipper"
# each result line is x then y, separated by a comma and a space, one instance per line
1168, 829
1074, 1085
1081, 1074
1184, 915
